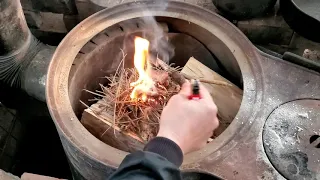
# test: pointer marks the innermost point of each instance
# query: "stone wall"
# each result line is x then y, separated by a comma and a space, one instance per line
50, 20
88, 7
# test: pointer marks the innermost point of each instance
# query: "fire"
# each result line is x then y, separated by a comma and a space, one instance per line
144, 85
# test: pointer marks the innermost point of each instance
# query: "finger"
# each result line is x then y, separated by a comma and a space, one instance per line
186, 89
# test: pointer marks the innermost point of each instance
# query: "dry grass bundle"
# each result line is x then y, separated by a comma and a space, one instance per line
136, 115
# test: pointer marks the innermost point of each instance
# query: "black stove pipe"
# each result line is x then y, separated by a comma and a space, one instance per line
23, 59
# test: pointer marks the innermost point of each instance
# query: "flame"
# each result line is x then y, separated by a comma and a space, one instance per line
145, 83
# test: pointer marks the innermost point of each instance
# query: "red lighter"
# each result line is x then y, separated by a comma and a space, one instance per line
195, 90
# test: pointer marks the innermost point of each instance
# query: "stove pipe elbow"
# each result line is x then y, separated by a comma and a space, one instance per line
24, 60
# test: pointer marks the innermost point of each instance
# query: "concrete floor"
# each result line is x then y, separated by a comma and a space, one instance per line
29, 141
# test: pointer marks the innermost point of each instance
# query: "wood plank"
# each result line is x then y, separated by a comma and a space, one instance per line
227, 98
101, 127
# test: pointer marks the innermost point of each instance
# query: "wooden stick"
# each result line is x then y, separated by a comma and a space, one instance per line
216, 82
177, 75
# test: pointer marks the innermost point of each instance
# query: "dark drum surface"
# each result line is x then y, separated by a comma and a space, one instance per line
310, 7
303, 17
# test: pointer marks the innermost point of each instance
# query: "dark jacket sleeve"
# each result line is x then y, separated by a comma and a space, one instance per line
160, 160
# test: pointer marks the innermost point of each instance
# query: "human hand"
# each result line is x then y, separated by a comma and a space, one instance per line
189, 123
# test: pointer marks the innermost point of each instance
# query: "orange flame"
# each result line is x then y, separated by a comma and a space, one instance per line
145, 83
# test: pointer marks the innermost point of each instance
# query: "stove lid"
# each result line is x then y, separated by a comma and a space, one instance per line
291, 139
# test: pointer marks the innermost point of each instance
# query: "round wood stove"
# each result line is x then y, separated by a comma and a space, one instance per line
92, 49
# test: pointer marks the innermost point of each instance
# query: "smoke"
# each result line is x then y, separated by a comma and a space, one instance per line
150, 30
160, 46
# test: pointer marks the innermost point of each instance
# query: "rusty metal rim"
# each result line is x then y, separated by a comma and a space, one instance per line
57, 82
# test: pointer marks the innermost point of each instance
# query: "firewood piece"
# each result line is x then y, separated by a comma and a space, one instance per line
227, 98
100, 125
181, 77
221, 83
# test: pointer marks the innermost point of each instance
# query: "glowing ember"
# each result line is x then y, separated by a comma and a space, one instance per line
144, 86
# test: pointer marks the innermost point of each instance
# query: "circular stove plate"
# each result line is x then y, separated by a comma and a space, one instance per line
291, 139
